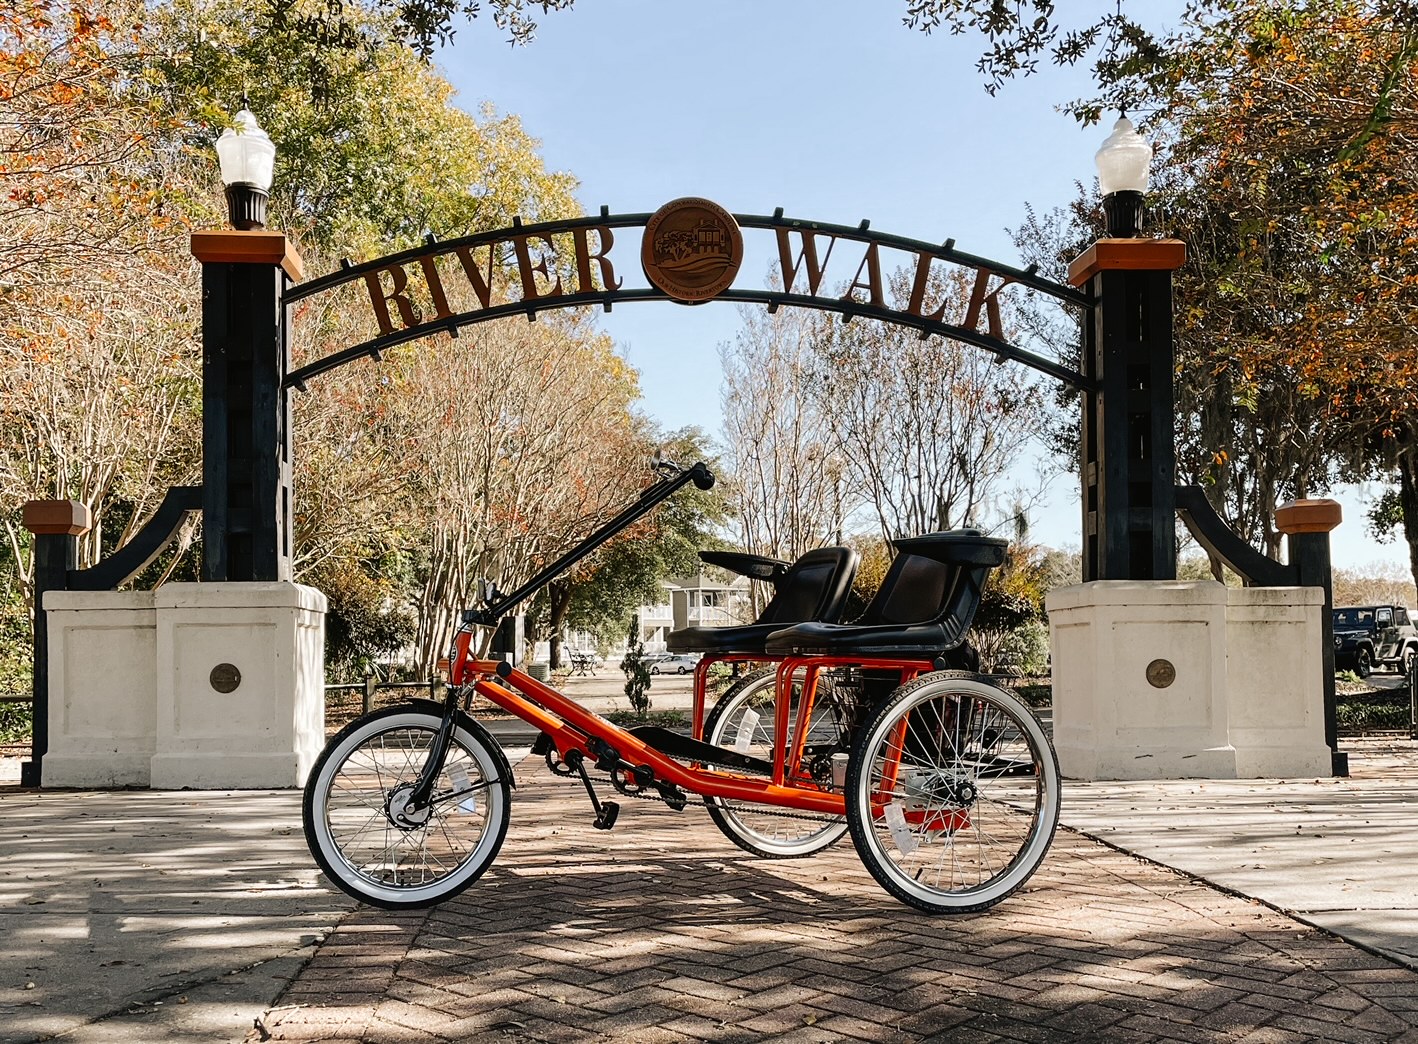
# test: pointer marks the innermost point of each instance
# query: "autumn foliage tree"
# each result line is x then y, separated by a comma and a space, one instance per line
98, 366
1285, 136
483, 457
1290, 146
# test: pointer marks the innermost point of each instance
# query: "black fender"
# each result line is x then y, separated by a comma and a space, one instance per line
470, 724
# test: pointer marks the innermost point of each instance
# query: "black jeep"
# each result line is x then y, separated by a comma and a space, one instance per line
1374, 634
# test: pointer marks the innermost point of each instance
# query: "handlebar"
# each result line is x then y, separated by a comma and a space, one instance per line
671, 477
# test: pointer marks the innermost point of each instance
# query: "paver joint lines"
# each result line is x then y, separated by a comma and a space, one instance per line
1100, 947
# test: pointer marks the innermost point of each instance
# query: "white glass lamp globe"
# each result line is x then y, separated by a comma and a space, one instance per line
246, 152
1124, 160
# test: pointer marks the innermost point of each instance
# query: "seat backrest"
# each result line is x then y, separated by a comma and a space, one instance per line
936, 577
815, 588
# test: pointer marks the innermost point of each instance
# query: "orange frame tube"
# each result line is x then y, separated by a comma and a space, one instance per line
570, 725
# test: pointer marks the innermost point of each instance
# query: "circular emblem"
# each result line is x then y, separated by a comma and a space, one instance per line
692, 249
1161, 673
225, 677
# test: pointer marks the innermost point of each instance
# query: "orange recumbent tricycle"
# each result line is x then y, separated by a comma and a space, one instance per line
947, 784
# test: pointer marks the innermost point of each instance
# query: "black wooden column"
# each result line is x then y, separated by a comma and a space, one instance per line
57, 526
246, 418
1307, 525
1128, 454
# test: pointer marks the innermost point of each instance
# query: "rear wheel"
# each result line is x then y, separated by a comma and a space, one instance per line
952, 794
742, 721
1408, 660
362, 832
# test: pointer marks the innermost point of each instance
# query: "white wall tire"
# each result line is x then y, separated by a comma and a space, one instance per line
361, 776
952, 794
757, 829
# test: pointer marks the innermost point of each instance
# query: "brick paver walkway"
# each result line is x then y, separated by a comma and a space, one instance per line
663, 931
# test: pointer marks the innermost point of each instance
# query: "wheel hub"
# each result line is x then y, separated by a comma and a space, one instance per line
943, 789
398, 810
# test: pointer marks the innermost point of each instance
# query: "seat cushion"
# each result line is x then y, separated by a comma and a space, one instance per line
909, 641
743, 639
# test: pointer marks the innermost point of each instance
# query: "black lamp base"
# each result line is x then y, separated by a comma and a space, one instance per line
246, 205
1122, 214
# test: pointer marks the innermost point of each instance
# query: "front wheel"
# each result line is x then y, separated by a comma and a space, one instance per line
371, 844
952, 794
1408, 661
1363, 662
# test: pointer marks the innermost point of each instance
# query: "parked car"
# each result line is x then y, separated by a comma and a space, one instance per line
1369, 635
674, 663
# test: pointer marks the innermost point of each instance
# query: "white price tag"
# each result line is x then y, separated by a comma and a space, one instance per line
744, 739
900, 831
459, 776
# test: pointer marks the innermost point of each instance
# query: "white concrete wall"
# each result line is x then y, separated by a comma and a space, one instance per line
269, 730
1274, 668
131, 695
102, 688
1245, 700
1110, 722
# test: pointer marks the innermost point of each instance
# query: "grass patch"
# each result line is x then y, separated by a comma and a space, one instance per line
666, 719
1384, 710
16, 722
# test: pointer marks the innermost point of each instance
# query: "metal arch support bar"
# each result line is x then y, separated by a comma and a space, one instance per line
860, 233
1213, 534
773, 299
149, 542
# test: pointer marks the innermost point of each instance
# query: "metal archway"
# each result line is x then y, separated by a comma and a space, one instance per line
408, 298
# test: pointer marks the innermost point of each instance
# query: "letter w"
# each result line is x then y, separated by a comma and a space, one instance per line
807, 256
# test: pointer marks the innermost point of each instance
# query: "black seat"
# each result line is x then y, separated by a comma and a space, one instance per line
922, 610
815, 587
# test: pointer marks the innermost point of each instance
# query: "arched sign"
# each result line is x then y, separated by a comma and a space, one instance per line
691, 251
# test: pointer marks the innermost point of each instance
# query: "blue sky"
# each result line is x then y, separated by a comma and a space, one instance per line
831, 109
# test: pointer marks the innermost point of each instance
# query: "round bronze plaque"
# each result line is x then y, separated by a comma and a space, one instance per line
225, 677
692, 249
1161, 673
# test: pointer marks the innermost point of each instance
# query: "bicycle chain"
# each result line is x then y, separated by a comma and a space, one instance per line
763, 810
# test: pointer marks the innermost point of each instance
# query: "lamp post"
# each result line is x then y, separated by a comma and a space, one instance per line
1129, 470
246, 448
1123, 163
247, 157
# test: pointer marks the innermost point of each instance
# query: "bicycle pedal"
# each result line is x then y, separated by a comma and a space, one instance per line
673, 796
606, 818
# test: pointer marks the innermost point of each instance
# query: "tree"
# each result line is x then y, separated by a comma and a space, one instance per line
1285, 141
637, 672
599, 594
106, 123
1303, 300
421, 24
925, 430
373, 154
785, 484
98, 365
